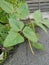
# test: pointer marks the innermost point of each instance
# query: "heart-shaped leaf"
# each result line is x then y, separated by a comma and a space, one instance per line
30, 34
16, 24
37, 15
23, 11
13, 39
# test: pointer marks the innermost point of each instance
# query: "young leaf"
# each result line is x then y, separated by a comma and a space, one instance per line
16, 24
39, 20
30, 34
41, 26
37, 15
6, 6
23, 11
45, 22
13, 39
38, 46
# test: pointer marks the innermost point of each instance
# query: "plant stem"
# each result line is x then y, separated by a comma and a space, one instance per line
32, 25
31, 47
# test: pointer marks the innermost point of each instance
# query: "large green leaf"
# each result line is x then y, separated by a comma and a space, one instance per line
6, 6
23, 11
38, 46
13, 39
16, 24
30, 34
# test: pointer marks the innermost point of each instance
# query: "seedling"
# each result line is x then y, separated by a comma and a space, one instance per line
12, 14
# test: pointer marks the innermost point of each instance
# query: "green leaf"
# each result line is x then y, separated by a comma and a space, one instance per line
3, 17
45, 22
30, 34
41, 26
37, 15
13, 15
16, 24
23, 11
13, 39
3, 33
6, 6
39, 20
12, 29
38, 46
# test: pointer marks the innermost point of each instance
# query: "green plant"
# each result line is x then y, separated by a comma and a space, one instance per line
12, 14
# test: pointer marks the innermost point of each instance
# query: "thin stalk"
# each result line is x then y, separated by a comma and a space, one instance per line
31, 47
32, 25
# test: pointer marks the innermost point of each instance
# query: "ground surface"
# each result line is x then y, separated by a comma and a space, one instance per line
23, 55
